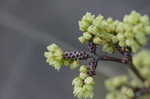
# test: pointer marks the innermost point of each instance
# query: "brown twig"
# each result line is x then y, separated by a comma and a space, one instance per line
136, 72
133, 68
127, 59
126, 52
114, 59
141, 92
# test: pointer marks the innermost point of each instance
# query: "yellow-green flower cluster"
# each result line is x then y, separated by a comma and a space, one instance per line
125, 93
114, 83
132, 31
86, 21
118, 88
83, 84
54, 56
100, 31
142, 62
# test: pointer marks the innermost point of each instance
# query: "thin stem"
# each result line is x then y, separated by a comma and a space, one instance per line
114, 59
133, 68
126, 60
136, 72
126, 52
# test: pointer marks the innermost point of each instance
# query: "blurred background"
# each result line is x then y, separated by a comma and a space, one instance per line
28, 26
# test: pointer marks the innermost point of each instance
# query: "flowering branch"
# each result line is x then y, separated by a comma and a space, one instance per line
125, 37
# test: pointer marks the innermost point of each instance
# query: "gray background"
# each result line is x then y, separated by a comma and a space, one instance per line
28, 26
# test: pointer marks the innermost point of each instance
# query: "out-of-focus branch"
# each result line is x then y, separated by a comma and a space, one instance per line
127, 59
141, 92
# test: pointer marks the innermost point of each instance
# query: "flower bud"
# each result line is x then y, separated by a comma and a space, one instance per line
82, 39
89, 80
77, 81
87, 36
144, 19
83, 75
97, 40
127, 91
83, 69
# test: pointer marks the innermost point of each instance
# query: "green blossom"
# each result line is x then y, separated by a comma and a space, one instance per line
127, 91
113, 83
83, 69
82, 39
86, 21
55, 58
83, 84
